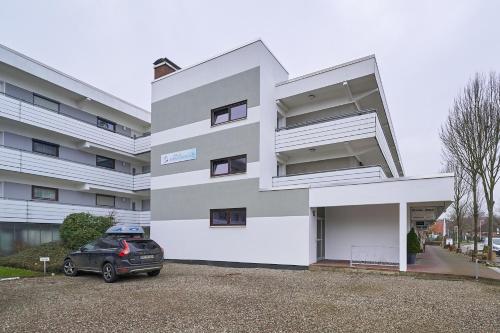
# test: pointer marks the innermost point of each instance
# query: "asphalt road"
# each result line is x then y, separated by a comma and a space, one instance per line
190, 298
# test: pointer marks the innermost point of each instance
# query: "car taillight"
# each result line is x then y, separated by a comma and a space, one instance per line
125, 250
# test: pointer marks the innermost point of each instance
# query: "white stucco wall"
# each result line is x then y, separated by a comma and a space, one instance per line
265, 240
368, 225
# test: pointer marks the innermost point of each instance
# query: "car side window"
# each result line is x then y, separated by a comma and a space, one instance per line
107, 243
90, 246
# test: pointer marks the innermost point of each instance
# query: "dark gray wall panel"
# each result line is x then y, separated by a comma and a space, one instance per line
17, 191
231, 142
18, 93
76, 198
196, 104
195, 202
78, 114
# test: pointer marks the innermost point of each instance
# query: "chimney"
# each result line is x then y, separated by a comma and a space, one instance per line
163, 67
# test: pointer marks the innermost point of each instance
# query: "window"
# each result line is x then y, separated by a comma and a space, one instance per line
228, 216
229, 165
106, 124
229, 113
104, 162
104, 200
46, 103
46, 148
44, 193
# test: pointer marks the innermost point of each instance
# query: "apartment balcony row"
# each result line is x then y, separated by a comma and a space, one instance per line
30, 114
16, 160
330, 178
352, 134
48, 212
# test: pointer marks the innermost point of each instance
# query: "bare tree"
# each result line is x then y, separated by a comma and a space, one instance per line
461, 193
490, 168
463, 137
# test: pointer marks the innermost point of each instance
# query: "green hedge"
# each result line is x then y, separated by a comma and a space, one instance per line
81, 228
30, 257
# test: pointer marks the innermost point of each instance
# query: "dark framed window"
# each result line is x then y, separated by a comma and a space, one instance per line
228, 216
229, 113
105, 200
228, 166
46, 103
104, 162
45, 148
106, 124
44, 193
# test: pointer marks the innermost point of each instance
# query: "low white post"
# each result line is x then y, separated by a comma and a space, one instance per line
402, 235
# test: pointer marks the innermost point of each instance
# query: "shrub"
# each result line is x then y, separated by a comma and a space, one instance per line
30, 257
412, 242
80, 228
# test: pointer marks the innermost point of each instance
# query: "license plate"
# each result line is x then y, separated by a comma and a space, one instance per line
147, 257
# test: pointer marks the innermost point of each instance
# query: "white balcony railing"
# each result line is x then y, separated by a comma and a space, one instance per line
142, 182
14, 109
326, 132
42, 165
361, 174
52, 212
335, 130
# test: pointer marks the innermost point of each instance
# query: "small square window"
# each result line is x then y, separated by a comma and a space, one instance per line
229, 113
45, 148
104, 162
228, 217
106, 124
104, 200
46, 103
229, 165
44, 193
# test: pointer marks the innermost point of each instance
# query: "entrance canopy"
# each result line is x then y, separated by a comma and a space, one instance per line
416, 200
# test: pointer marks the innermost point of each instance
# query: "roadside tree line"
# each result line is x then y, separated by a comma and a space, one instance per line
471, 149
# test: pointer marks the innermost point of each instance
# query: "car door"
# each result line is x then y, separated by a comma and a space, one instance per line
104, 247
82, 256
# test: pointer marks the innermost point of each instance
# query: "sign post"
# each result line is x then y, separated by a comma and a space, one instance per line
44, 260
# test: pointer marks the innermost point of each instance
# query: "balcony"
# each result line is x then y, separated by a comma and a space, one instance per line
355, 133
361, 174
142, 182
42, 165
49, 212
30, 114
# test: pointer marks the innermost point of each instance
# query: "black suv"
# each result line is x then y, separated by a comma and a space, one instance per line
112, 256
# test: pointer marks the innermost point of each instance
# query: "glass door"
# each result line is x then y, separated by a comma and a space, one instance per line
320, 239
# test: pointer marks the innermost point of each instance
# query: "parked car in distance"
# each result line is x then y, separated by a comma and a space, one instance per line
495, 242
114, 255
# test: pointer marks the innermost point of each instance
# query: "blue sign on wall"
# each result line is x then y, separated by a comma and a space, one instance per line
178, 156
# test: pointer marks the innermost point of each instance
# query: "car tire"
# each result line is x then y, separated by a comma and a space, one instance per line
109, 273
154, 273
69, 268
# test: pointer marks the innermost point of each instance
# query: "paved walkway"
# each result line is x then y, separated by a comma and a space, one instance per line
439, 260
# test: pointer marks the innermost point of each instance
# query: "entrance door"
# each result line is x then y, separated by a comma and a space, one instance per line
320, 238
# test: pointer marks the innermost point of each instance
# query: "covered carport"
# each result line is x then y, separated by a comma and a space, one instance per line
371, 220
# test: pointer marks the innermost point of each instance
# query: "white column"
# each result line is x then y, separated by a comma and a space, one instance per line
403, 218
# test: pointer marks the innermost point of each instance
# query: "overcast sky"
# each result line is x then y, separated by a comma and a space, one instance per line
426, 51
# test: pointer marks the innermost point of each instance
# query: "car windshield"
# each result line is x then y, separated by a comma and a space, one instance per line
496, 241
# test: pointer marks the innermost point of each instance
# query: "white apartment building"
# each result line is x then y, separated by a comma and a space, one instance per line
66, 146
251, 167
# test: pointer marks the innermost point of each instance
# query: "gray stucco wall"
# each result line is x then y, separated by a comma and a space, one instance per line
323, 165
196, 104
195, 202
231, 142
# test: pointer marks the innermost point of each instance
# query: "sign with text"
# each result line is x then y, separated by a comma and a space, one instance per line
44, 259
178, 156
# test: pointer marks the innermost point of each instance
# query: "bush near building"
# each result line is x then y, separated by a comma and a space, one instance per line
81, 228
77, 229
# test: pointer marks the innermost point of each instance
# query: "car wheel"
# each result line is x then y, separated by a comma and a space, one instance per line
154, 273
69, 268
108, 273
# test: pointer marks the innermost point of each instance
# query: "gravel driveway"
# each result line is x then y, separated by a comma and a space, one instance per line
190, 298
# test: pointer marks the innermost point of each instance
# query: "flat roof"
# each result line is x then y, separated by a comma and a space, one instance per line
56, 77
